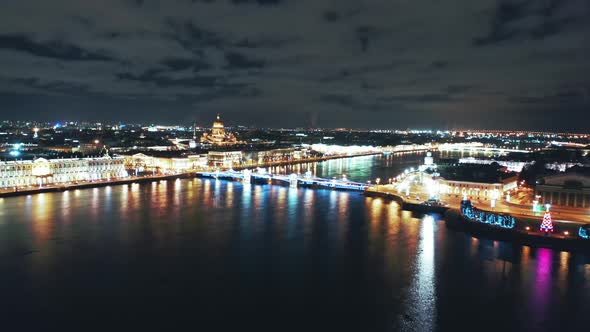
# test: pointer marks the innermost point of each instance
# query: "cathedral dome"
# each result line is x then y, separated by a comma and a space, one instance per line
218, 136
218, 123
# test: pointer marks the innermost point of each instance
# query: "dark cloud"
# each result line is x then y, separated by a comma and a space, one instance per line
439, 64
364, 33
459, 88
185, 63
55, 49
579, 96
551, 27
239, 61
258, 2
275, 62
263, 42
425, 98
366, 69
331, 15
501, 29
192, 37
524, 19
156, 76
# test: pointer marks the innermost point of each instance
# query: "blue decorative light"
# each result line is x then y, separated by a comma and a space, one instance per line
584, 232
494, 219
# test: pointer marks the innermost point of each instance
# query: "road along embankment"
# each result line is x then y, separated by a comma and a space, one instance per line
95, 184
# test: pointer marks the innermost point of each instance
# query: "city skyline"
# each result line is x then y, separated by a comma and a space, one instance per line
295, 165
480, 65
203, 125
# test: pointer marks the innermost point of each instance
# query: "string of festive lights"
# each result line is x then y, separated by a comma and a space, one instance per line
547, 223
474, 214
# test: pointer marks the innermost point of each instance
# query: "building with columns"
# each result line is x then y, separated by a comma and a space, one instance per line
141, 163
570, 189
476, 190
224, 159
482, 182
39, 172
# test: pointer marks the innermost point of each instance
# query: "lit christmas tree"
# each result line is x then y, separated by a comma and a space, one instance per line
547, 223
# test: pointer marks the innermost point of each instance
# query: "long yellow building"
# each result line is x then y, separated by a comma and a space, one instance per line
39, 172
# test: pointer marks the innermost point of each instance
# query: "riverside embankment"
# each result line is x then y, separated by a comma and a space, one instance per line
565, 235
31, 190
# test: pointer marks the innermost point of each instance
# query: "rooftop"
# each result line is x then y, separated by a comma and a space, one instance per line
475, 173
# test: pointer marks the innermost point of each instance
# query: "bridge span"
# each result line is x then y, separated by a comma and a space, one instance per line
294, 180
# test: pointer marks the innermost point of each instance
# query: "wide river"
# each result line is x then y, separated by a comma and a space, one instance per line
207, 255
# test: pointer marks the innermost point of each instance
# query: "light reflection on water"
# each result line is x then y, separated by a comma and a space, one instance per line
421, 301
340, 258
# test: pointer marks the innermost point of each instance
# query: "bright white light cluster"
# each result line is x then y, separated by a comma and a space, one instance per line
342, 150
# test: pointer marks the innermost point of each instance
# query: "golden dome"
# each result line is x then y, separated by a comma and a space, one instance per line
218, 123
218, 136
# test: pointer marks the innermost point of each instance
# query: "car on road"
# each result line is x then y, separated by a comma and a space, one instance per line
434, 202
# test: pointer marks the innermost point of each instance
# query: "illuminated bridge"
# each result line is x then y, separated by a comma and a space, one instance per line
294, 180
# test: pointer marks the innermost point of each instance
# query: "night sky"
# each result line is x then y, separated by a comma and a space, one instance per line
491, 64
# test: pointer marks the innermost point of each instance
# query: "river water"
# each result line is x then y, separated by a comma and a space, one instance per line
210, 255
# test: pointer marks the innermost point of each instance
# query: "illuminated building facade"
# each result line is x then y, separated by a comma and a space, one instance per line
218, 136
225, 159
486, 182
477, 190
566, 189
139, 163
275, 155
55, 171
